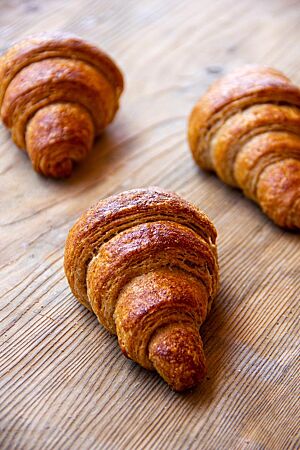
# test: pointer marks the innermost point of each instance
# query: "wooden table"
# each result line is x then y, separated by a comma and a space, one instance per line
64, 381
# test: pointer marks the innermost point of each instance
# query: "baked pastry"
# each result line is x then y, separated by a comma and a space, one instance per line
57, 92
145, 262
246, 128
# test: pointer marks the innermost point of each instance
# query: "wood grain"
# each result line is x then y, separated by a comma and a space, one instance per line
64, 382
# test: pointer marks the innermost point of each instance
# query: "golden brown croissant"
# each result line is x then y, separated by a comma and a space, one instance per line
247, 129
57, 93
145, 262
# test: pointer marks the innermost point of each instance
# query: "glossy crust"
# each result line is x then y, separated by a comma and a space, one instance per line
246, 128
145, 262
57, 85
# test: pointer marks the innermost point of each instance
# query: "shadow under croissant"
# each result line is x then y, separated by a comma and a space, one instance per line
97, 161
236, 198
104, 152
107, 151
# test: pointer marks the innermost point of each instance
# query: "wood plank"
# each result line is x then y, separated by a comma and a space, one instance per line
64, 382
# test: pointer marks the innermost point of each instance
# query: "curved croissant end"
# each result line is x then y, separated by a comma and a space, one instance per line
57, 92
145, 262
246, 128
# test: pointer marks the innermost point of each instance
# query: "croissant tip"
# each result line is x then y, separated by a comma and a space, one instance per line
62, 169
176, 352
194, 382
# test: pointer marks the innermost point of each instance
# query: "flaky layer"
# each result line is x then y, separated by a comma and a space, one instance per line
51, 81
56, 45
154, 300
141, 249
118, 213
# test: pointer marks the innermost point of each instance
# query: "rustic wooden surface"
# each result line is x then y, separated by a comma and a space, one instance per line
64, 382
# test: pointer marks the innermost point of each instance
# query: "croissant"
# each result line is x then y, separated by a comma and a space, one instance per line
57, 92
246, 128
145, 262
